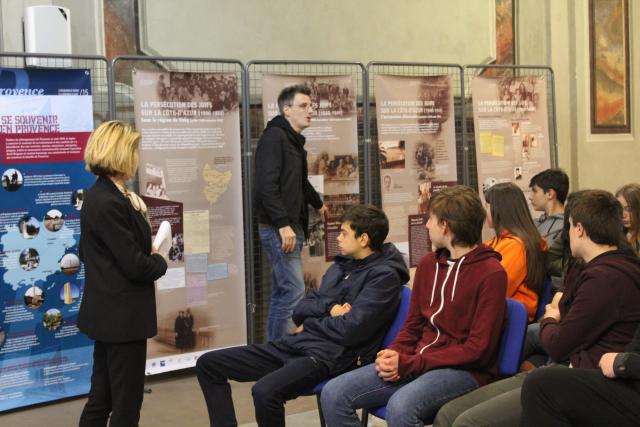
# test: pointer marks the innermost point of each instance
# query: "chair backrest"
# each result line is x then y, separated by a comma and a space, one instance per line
401, 315
512, 338
545, 296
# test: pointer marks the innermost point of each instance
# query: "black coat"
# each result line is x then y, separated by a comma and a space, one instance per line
627, 365
118, 302
282, 186
372, 287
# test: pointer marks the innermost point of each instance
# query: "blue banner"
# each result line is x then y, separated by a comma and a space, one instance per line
21, 82
46, 117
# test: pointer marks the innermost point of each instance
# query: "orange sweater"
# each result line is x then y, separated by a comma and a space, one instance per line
514, 261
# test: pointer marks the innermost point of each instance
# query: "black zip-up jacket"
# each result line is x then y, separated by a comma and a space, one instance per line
372, 287
627, 365
282, 186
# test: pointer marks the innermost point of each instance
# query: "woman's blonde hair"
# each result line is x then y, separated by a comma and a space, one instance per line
113, 149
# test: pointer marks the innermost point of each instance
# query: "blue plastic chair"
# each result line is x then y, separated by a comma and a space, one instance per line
401, 315
545, 297
511, 343
512, 339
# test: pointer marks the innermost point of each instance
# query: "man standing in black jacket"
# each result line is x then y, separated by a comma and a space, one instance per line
341, 326
283, 192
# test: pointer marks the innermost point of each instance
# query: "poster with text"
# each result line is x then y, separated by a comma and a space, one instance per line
46, 117
511, 129
332, 156
190, 176
417, 151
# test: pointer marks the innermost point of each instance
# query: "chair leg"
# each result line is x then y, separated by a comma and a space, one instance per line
365, 418
322, 422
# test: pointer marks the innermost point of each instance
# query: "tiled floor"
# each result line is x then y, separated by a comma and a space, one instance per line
175, 400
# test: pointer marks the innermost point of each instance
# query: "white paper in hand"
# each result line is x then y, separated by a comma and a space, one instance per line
163, 238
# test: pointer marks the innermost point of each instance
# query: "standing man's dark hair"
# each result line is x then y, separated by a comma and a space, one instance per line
283, 193
288, 94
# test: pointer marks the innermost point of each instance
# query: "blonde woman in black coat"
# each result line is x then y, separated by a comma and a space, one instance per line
118, 307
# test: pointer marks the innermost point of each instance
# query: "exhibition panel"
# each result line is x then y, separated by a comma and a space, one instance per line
510, 115
188, 112
46, 116
334, 145
415, 145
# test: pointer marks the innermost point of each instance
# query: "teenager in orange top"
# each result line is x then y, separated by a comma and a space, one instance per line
518, 241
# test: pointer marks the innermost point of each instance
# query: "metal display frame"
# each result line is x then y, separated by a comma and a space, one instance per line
113, 98
412, 69
99, 68
254, 70
122, 109
499, 70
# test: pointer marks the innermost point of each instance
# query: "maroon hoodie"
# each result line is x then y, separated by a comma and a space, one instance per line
456, 315
599, 311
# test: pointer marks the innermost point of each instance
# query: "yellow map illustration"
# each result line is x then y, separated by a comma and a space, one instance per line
217, 183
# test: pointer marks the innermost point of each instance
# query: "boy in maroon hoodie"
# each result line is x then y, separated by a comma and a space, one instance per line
449, 343
597, 314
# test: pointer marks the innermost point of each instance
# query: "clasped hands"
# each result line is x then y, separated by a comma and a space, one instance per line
387, 365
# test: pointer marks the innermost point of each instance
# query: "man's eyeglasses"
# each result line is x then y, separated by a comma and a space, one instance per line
303, 106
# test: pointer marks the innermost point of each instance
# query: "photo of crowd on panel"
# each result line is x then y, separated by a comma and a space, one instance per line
190, 176
332, 157
511, 125
219, 90
416, 152
46, 117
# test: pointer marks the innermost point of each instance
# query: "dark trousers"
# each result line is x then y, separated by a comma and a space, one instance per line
117, 384
579, 397
280, 376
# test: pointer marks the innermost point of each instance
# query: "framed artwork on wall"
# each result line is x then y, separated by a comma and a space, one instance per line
609, 66
505, 25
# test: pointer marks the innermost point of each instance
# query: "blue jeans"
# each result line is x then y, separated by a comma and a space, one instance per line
410, 401
532, 350
532, 341
287, 281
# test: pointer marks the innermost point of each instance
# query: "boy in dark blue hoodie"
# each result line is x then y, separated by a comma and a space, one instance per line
339, 327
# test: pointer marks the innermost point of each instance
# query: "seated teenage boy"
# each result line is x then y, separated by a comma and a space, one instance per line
549, 190
339, 327
597, 314
533, 355
449, 343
